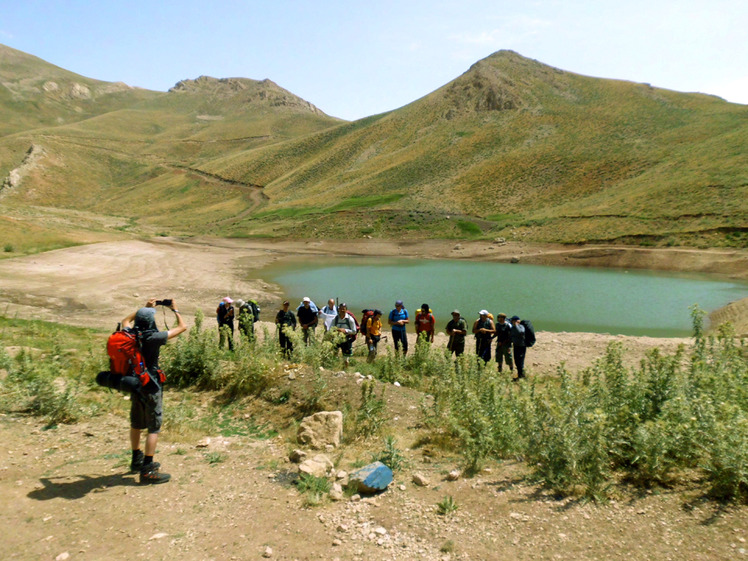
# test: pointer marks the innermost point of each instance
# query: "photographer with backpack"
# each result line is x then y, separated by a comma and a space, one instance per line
146, 408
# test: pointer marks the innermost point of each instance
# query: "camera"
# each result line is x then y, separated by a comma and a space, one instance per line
166, 302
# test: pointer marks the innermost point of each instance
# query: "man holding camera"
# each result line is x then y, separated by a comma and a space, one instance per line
146, 407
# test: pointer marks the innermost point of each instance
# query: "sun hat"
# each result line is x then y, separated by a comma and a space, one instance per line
145, 319
483, 313
306, 299
239, 302
399, 303
456, 312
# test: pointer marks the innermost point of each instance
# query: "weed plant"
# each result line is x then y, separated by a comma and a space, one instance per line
391, 456
315, 489
446, 506
648, 425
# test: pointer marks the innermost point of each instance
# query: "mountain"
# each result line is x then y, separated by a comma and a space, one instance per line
34, 93
523, 149
512, 148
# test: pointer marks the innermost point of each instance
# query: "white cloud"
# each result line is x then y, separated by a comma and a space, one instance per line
6, 35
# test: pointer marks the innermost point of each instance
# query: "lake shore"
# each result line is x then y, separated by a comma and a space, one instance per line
97, 285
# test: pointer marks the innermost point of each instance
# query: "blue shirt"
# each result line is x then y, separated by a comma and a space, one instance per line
396, 315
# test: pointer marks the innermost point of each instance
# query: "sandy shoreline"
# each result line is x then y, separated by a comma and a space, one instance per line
96, 285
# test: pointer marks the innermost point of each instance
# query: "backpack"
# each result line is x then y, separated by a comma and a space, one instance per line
365, 316
127, 371
529, 332
251, 307
255, 310
358, 327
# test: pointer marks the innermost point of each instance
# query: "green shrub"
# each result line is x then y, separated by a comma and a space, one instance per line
647, 424
391, 456
194, 359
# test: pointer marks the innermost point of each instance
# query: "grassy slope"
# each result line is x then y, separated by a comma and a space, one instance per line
511, 148
132, 165
570, 157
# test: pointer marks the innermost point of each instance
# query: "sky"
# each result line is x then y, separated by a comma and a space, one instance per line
354, 58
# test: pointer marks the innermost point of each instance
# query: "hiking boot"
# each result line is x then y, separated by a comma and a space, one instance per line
151, 474
137, 461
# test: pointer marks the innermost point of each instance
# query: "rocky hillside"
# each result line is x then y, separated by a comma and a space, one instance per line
244, 90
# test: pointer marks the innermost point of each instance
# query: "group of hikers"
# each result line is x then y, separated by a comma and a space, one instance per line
512, 335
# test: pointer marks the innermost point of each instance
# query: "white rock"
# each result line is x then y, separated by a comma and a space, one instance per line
319, 466
321, 429
421, 480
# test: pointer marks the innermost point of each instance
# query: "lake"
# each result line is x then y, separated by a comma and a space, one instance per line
572, 299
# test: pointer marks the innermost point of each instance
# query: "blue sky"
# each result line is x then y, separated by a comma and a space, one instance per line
354, 59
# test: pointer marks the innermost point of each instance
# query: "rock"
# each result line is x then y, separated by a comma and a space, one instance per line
421, 480
319, 466
454, 475
514, 260
62, 556
371, 479
321, 429
268, 552
297, 456
336, 492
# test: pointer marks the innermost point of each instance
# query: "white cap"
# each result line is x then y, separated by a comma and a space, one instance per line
306, 299
483, 313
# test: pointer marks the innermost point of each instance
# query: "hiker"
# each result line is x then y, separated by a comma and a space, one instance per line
345, 324
373, 334
283, 319
146, 405
483, 329
249, 314
457, 330
327, 313
307, 313
398, 319
503, 342
225, 318
518, 342
425, 323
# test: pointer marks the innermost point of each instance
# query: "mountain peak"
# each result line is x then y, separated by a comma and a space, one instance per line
246, 90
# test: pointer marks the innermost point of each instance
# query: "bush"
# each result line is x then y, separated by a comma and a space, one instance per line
648, 424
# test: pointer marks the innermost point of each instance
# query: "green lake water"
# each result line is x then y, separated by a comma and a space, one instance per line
554, 298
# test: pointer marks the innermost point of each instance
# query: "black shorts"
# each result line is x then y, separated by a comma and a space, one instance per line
146, 410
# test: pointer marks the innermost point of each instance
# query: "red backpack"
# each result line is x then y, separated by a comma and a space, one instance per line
125, 357
366, 315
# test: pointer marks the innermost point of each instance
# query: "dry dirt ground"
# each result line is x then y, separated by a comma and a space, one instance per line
67, 494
